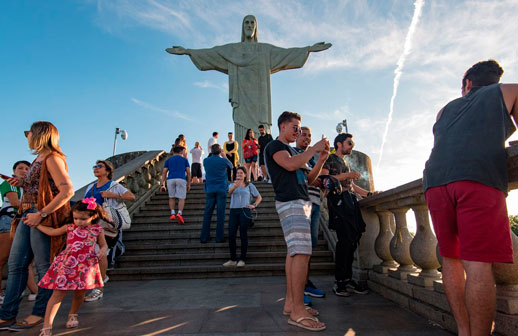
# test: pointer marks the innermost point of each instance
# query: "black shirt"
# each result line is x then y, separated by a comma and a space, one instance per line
288, 185
264, 140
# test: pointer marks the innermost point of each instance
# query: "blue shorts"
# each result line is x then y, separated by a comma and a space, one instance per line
5, 224
251, 159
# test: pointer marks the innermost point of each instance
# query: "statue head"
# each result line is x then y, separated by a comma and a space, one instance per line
249, 29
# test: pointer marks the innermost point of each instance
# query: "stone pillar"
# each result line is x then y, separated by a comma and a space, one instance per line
423, 250
382, 243
367, 257
400, 246
506, 278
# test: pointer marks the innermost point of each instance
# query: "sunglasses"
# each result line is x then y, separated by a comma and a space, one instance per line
297, 129
26, 133
350, 143
97, 166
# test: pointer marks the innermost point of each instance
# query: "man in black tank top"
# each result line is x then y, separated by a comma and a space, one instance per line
465, 183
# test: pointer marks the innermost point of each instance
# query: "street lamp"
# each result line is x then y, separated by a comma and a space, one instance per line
339, 127
124, 136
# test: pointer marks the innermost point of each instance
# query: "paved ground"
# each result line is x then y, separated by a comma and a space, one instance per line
239, 306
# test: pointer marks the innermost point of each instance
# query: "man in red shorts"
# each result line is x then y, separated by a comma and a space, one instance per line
465, 182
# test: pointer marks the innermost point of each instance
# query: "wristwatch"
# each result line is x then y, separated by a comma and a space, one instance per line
42, 214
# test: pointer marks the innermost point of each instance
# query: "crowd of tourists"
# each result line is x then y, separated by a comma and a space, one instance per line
71, 245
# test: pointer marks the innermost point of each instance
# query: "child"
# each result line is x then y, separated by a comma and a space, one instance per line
77, 267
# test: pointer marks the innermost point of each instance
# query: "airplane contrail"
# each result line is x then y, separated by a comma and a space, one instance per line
418, 4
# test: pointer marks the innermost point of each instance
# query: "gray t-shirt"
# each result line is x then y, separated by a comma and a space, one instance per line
241, 197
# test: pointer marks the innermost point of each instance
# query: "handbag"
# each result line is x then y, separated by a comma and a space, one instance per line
119, 214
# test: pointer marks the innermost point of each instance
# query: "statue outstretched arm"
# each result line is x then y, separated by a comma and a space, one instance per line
320, 46
178, 50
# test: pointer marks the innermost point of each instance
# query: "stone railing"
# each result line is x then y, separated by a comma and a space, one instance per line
139, 172
405, 268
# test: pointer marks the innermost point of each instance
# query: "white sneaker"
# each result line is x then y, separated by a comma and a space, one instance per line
94, 295
105, 280
32, 297
230, 263
241, 263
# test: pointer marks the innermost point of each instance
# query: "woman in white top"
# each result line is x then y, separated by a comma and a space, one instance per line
241, 207
196, 153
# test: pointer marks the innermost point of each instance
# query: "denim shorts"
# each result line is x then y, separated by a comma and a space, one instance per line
5, 224
251, 159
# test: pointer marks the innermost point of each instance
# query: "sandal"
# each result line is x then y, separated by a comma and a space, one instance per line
310, 310
298, 323
72, 322
46, 331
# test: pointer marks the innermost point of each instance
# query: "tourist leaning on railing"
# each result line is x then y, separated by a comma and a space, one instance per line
105, 189
46, 194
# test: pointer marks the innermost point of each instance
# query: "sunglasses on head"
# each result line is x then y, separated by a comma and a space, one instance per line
97, 166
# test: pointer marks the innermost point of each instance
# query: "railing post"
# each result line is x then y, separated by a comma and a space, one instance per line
400, 246
382, 243
506, 278
423, 249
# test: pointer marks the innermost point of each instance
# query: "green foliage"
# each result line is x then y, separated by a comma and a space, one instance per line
514, 224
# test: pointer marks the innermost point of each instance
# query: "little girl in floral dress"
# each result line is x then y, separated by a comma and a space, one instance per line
77, 267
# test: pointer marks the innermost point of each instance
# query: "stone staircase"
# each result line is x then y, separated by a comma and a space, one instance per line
157, 248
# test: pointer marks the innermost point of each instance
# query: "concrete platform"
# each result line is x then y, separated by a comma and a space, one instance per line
232, 306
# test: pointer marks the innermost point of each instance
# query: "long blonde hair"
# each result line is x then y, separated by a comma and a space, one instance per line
45, 136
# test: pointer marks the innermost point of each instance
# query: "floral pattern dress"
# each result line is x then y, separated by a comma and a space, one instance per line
77, 267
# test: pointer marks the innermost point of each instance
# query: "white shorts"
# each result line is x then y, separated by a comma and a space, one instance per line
177, 188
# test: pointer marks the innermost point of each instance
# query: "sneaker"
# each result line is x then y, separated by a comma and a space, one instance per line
354, 287
240, 263
307, 301
339, 288
172, 217
313, 291
94, 295
106, 279
179, 218
32, 297
230, 263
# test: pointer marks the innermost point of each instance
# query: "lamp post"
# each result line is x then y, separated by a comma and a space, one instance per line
124, 136
339, 127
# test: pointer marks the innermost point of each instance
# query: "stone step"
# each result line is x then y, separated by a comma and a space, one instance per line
175, 236
193, 218
211, 259
167, 224
201, 196
265, 205
135, 247
209, 271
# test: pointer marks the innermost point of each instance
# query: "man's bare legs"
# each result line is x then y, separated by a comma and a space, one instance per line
296, 271
181, 204
454, 281
172, 203
472, 295
480, 296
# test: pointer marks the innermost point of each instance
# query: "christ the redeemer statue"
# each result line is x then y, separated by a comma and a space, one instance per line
249, 65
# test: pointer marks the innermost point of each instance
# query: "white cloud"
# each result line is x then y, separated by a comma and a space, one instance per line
151, 107
208, 84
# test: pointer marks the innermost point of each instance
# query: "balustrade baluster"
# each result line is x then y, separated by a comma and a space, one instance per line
400, 246
382, 243
423, 249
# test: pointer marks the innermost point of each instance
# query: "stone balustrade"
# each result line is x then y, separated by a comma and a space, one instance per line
139, 172
405, 268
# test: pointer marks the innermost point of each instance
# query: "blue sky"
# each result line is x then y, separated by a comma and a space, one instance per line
91, 66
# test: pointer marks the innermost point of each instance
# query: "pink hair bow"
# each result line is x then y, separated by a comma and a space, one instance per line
91, 203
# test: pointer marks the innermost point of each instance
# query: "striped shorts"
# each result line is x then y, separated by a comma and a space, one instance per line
295, 219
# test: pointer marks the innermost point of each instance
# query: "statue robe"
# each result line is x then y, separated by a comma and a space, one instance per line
249, 65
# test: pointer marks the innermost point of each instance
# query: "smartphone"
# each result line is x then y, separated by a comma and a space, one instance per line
5, 177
